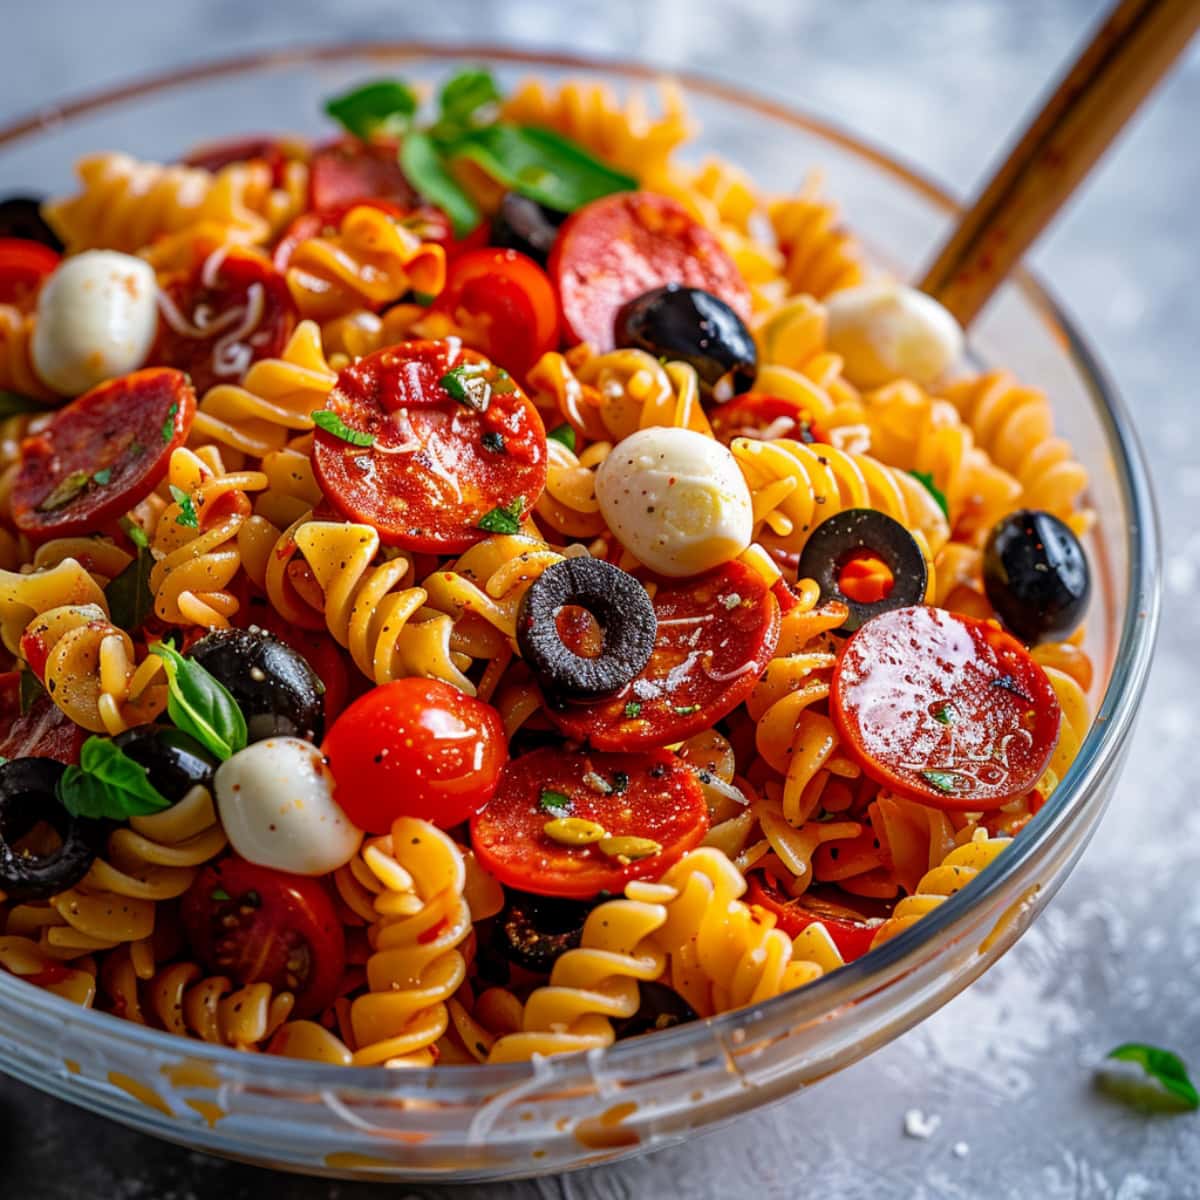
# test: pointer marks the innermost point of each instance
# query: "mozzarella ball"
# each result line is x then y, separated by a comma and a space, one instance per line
97, 317
676, 501
276, 804
887, 331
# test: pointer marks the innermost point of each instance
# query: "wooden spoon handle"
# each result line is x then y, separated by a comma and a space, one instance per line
1131, 51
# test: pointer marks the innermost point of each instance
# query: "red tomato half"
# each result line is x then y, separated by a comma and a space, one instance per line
348, 170
716, 634
415, 748
102, 453
45, 731
944, 708
504, 305
852, 937
651, 796
428, 479
225, 318
23, 266
757, 415
257, 925
619, 247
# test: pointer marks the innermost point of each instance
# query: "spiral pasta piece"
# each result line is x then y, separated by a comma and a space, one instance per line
23, 957
820, 255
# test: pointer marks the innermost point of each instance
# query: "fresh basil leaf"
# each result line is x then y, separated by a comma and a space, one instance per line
460, 100
200, 705
468, 384
558, 803
542, 165
632, 709
1166, 1069
505, 518
385, 106
30, 690
188, 517
565, 434
13, 404
135, 533
427, 173
130, 599
330, 422
65, 491
925, 479
108, 784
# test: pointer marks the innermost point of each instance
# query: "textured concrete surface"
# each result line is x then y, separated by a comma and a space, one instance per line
1006, 1068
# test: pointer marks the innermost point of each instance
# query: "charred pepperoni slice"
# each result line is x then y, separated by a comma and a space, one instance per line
943, 708
42, 731
432, 479
716, 634
758, 415
102, 453
350, 170
230, 310
652, 797
621, 246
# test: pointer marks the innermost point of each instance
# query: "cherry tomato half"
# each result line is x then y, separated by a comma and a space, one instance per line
102, 454
946, 709
852, 936
716, 634
652, 796
23, 266
430, 476
619, 247
757, 415
257, 925
415, 748
45, 731
227, 317
504, 305
349, 170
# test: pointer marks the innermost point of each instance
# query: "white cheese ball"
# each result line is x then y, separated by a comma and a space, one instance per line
97, 316
887, 331
276, 803
676, 501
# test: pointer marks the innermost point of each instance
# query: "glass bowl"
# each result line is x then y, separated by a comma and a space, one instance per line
499, 1122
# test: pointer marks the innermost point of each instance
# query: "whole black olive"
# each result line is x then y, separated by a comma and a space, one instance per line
533, 931
1036, 575
853, 533
695, 327
28, 794
622, 609
525, 225
661, 1008
21, 217
174, 761
276, 689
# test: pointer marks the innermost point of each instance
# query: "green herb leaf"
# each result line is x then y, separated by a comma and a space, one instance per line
219, 894
1165, 1068
565, 434
460, 101
102, 476
424, 299
130, 600
504, 519
13, 404
632, 709
423, 165
542, 165
385, 107
947, 714
188, 516
30, 690
330, 422
65, 491
108, 784
944, 781
135, 533
200, 705
468, 384
558, 803
168, 429
925, 479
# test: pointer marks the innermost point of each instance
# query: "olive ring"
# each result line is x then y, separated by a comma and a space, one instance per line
621, 608
856, 531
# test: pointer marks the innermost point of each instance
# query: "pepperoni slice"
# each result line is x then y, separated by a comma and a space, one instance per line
758, 415
850, 932
943, 708
348, 170
102, 453
44, 731
438, 466
232, 309
620, 246
651, 796
716, 634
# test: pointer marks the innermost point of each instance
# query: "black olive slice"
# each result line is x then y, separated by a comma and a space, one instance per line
28, 795
695, 327
1036, 575
853, 532
174, 761
276, 689
620, 606
21, 217
661, 1008
525, 225
532, 931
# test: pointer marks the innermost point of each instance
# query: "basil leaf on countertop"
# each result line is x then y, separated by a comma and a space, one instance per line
1162, 1066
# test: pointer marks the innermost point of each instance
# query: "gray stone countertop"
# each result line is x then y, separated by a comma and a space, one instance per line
1005, 1068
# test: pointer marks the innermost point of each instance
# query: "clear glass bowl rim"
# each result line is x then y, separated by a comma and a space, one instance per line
1112, 726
